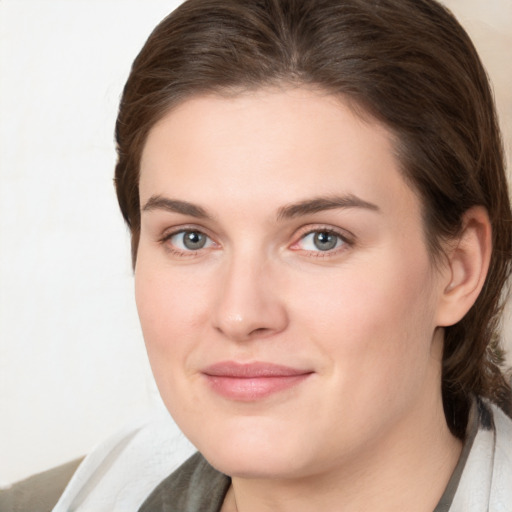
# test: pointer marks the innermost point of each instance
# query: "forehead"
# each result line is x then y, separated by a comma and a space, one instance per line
269, 145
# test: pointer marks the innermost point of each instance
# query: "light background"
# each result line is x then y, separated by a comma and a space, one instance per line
73, 367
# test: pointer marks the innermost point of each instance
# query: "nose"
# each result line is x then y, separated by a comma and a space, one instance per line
248, 304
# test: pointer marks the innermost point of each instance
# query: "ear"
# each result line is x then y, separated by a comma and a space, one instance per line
468, 260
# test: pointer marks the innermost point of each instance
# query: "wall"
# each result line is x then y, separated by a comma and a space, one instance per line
72, 361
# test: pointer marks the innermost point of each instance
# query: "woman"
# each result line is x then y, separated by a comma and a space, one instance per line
320, 235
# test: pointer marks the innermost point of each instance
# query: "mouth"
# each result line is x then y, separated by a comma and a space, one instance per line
253, 381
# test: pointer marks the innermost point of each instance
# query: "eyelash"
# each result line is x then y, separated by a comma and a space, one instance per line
346, 242
165, 240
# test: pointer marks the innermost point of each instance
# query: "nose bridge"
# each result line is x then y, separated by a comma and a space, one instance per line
248, 302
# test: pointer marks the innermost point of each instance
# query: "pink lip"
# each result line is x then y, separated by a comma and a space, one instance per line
253, 381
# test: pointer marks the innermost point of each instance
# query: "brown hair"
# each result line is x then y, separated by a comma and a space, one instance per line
410, 65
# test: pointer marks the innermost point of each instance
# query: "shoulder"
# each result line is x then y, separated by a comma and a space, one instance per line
501, 492
121, 472
195, 485
486, 482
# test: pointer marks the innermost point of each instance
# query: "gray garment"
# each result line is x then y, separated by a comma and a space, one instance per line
481, 481
194, 487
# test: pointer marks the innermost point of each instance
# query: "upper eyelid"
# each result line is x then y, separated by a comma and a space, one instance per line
307, 230
169, 232
333, 231
165, 237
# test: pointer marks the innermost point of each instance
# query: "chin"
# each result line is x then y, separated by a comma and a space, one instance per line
254, 449
251, 464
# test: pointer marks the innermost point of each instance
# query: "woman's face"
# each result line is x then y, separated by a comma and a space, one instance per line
286, 294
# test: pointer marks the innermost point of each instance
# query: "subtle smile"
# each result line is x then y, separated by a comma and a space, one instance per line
253, 381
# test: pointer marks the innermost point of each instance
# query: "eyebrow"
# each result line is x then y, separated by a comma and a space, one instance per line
308, 206
319, 204
175, 206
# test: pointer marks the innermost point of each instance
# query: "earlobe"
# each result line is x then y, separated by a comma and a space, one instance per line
467, 265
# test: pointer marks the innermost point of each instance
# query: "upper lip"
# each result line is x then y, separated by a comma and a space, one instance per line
252, 370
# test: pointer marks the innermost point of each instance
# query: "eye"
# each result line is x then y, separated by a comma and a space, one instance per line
189, 240
321, 240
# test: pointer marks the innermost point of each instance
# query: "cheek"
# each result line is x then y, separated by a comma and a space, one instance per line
167, 297
172, 309
372, 318
169, 311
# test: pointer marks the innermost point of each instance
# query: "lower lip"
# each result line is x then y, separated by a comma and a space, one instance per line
249, 389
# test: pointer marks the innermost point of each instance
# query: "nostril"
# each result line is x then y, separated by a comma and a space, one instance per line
259, 330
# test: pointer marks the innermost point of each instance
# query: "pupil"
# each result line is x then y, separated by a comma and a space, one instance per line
324, 241
194, 240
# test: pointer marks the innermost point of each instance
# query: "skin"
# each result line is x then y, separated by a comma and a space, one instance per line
365, 430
